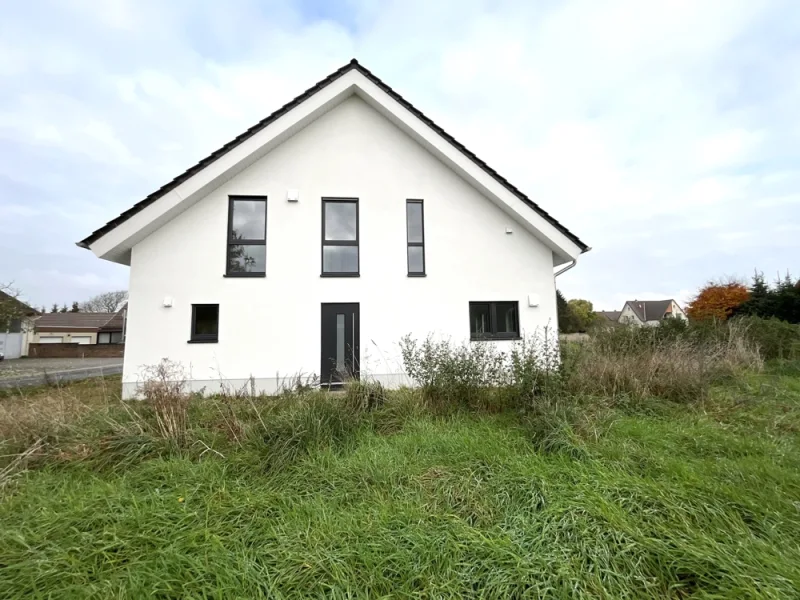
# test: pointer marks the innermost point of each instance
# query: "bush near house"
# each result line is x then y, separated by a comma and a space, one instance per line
643, 463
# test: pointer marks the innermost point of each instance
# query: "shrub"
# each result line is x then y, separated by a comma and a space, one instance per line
775, 338
479, 375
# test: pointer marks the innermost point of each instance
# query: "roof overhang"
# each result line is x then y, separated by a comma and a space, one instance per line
115, 240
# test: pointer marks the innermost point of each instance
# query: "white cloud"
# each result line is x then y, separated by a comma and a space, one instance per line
649, 129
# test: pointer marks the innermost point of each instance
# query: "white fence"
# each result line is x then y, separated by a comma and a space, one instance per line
11, 345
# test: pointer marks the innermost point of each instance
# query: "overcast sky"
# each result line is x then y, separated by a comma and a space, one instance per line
665, 135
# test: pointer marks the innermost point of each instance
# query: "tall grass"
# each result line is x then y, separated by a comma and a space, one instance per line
673, 361
522, 473
686, 503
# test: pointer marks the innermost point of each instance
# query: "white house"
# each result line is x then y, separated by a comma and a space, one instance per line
650, 312
319, 237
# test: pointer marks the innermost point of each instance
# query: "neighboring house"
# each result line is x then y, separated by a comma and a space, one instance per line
650, 312
609, 315
317, 239
78, 328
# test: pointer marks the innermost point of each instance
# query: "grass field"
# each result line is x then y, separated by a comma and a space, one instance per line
643, 500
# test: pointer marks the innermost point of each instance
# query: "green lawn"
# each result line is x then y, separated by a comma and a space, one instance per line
660, 501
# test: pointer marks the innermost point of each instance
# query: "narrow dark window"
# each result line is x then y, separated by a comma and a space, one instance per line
415, 237
205, 323
247, 236
340, 237
494, 320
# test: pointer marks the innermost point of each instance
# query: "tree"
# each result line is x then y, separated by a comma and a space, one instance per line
583, 313
11, 307
107, 302
717, 301
75, 307
781, 301
567, 321
63, 309
54, 308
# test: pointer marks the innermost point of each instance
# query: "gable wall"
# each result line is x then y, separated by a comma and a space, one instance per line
272, 325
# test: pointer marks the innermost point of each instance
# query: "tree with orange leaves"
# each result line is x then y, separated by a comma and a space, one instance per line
717, 300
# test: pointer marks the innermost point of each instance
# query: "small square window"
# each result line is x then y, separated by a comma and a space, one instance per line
494, 320
205, 323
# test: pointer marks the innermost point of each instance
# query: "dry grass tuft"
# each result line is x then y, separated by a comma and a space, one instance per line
164, 391
649, 362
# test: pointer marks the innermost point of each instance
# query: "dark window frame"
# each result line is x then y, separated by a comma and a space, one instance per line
410, 244
356, 242
493, 334
231, 241
110, 335
203, 338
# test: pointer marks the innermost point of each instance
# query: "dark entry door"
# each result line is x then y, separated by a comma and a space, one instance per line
340, 343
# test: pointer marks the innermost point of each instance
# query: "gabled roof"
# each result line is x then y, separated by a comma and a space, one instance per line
70, 320
611, 315
649, 310
117, 322
352, 66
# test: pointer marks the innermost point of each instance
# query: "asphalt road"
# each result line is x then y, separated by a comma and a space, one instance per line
23, 372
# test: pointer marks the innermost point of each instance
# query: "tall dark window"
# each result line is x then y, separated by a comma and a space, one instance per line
205, 323
247, 236
340, 237
494, 320
415, 237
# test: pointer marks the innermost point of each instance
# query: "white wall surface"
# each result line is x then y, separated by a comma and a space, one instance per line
677, 311
629, 317
270, 327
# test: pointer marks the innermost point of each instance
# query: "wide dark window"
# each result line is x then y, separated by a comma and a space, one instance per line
247, 236
205, 322
340, 237
109, 337
494, 320
415, 237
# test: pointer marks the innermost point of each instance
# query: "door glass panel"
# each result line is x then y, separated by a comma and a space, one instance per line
340, 343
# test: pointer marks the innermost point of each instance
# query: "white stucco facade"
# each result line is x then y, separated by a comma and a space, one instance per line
269, 327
